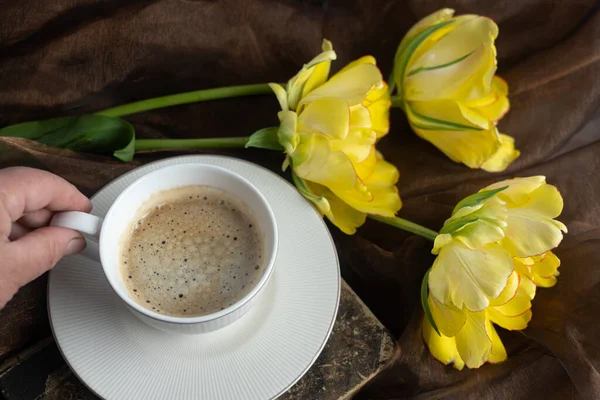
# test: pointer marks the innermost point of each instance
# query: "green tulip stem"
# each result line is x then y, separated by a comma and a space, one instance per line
181, 144
408, 226
185, 98
391, 82
397, 102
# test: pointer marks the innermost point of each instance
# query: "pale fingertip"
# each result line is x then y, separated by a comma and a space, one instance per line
76, 245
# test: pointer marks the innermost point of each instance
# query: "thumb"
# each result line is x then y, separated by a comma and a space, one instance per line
40, 250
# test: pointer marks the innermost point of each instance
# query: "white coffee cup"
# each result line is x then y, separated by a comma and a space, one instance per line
109, 231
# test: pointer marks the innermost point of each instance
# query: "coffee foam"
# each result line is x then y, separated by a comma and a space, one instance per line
191, 251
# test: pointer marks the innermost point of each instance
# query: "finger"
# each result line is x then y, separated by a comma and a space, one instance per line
24, 190
36, 219
17, 231
38, 251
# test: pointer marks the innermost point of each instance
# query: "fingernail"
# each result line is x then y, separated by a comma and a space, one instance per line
76, 245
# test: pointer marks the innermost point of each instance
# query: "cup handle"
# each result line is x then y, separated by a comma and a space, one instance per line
84, 223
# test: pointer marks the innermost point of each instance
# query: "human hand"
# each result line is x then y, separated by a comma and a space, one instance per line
28, 246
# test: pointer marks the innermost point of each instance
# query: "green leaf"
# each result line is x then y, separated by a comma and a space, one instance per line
425, 304
86, 133
457, 224
301, 186
320, 202
404, 54
477, 198
265, 139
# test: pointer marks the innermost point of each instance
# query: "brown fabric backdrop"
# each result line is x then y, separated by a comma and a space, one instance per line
66, 57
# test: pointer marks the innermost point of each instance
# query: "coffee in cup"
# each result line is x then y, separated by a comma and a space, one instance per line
251, 227
191, 251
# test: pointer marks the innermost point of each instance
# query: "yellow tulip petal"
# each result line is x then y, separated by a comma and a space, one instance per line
473, 341
526, 282
379, 178
281, 95
339, 213
295, 86
384, 173
313, 160
469, 277
474, 116
516, 306
432, 38
509, 292
544, 202
498, 352
351, 85
448, 318
480, 83
499, 105
518, 190
528, 235
516, 313
378, 92
440, 242
471, 148
461, 142
546, 282
441, 114
503, 156
320, 71
385, 201
330, 116
528, 261
442, 348
460, 65
360, 117
359, 61
532, 202
346, 218
482, 63
434, 18
545, 271
365, 168
380, 115
515, 323
500, 86
470, 32
499, 89
357, 145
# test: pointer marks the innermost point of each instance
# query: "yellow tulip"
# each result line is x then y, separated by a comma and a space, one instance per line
476, 246
328, 129
493, 252
444, 74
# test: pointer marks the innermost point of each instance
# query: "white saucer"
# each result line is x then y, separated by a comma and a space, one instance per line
258, 357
